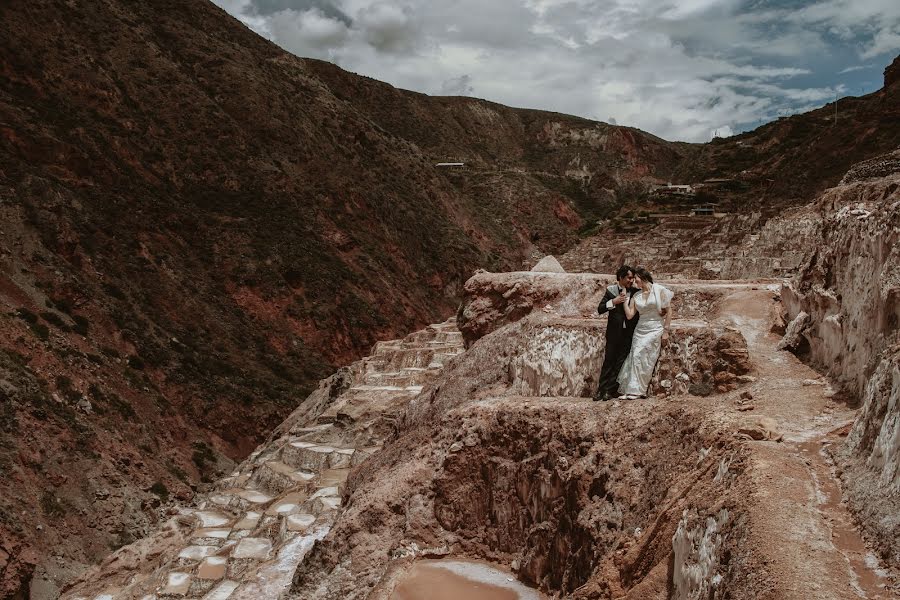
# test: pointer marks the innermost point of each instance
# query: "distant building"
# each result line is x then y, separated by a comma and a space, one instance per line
669, 189
450, 165
720, 182
704, 210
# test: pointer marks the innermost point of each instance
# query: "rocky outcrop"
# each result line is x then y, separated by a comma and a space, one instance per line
701, 360
850, 289
17, 562
424, 451
698, 548
892, 73
730, 247
880, 166
793, 338
561, 358
528, 483
505, 481
556, 346
871, 458
850, 286
491, 300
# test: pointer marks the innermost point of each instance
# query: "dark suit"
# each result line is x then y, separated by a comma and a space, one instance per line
619, 331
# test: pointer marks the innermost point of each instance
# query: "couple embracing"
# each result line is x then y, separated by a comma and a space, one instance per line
638, 324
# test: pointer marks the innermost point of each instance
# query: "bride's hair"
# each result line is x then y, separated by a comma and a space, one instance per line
644, 274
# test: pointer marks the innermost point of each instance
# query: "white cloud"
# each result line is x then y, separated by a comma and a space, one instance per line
885, 41
680, 69
854, 68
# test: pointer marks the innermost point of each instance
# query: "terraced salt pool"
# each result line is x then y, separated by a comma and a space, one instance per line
455, 579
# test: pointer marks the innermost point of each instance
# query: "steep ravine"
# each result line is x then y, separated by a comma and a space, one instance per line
492, 452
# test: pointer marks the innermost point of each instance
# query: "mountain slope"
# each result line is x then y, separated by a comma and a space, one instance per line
197, 226
791, 160
599, 166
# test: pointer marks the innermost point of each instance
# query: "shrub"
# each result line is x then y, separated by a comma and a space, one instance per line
177, 471
124, 408
26, 315
202, 455
51, 505
160, 489
63, 304
110, 352
114, 291
29, 317
81, 325
54, 319
40, 330
64, 385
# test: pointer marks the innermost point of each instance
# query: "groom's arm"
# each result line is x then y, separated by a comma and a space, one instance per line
604, 305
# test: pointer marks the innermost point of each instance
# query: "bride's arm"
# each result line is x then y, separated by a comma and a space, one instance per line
630, 311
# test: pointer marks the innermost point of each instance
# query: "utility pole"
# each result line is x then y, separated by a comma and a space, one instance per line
835, 108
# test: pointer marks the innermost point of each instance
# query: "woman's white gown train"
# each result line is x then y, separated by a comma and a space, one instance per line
634, 378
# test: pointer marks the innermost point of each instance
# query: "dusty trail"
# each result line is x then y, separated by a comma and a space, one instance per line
806, 534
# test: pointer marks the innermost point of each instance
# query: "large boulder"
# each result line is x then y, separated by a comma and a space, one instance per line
491, 300
793, 339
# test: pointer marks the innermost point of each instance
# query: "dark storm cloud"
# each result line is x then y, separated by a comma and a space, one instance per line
328, 9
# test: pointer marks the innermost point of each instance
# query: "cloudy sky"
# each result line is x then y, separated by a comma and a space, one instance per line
682, 70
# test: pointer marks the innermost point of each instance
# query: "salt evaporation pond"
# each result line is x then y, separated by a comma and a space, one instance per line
455, 579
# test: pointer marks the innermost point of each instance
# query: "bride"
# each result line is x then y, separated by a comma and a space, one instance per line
652, 303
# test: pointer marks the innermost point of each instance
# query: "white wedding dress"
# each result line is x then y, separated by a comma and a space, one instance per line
634, 378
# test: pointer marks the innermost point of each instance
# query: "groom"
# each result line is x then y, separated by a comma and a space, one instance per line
619, 331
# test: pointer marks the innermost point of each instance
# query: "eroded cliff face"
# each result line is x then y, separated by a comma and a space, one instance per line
197, 226
427, 449
850, 290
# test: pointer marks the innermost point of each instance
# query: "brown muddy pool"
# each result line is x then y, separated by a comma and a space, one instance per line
455, 579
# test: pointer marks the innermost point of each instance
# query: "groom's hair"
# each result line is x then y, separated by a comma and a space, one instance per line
623, 271
644, 274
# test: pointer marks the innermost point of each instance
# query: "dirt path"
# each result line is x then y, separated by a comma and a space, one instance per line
808, 538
